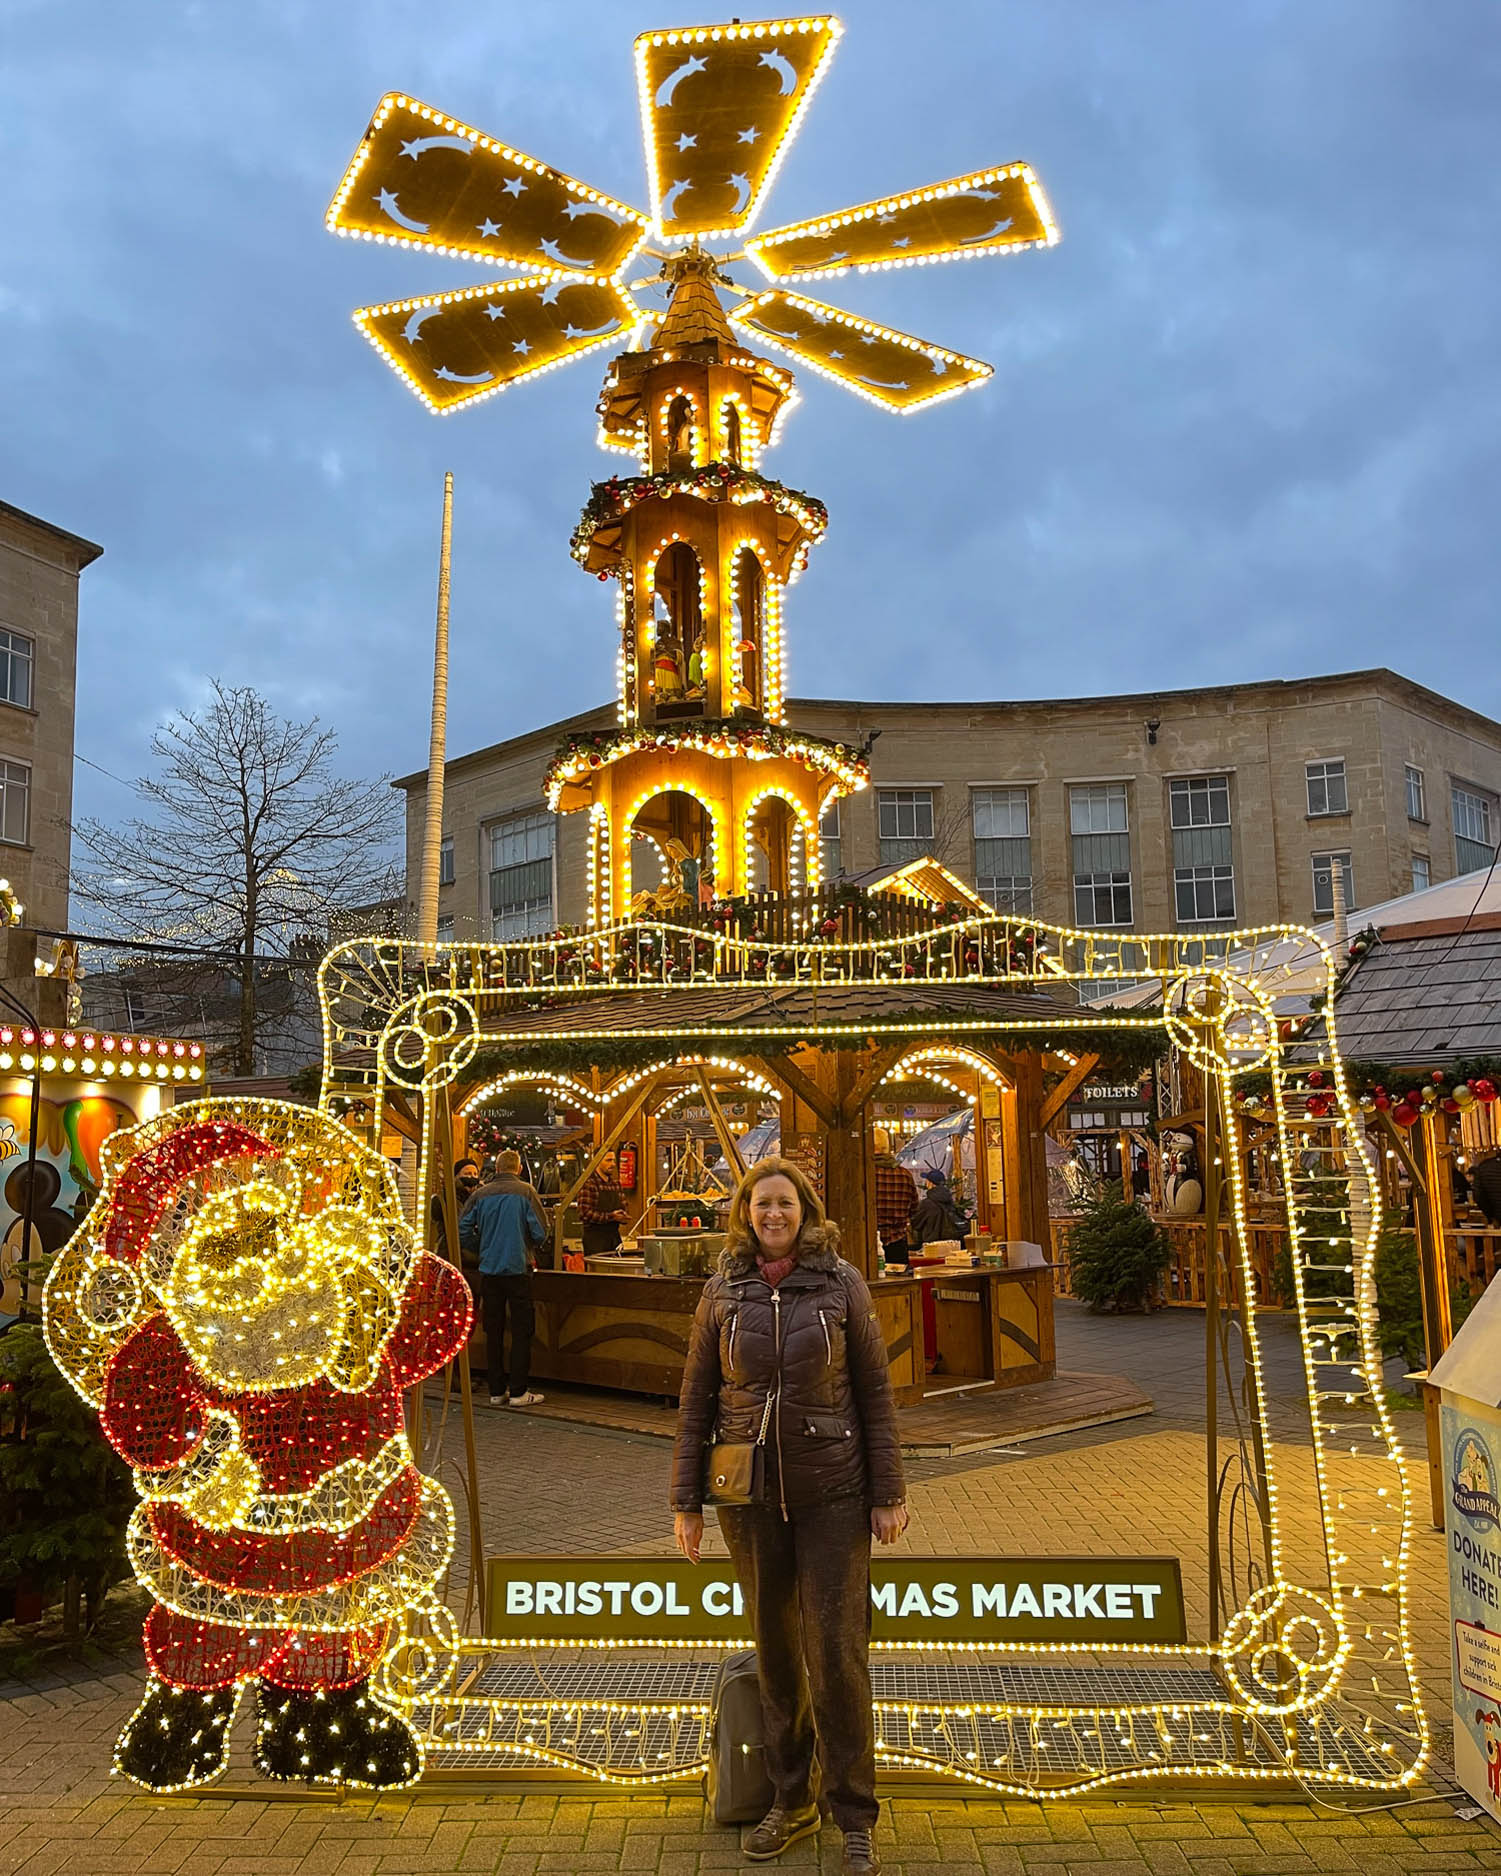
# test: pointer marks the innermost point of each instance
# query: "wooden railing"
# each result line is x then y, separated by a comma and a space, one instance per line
1183, 1282
1476, 1252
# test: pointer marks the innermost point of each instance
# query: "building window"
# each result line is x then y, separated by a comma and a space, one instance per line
135, 1010
15, 803
1204, 895
1001, 819
521, 856
1474, 829
445, 929
1422, 873
904, 824
1100, 830
445, 860
17, 655
1327, 792
831, 860
1417, 798
1323, 883
1203, 868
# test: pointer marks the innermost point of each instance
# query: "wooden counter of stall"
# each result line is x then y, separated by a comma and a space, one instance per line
630, 1331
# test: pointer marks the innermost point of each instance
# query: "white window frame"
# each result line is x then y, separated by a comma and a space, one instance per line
908, 800
1105, 808
1324, 862
536, 828
445, 860
1422, 865
15, 802
1211, 793
17, 652
1414, 781
1320, 774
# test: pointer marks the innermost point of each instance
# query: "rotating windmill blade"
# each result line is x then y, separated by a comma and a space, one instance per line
423, 180
994, 211
454, 348
720, 107
888, 367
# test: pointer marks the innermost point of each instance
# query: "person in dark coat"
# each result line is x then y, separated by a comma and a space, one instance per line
786, 1351
936, 1217
1485, 1187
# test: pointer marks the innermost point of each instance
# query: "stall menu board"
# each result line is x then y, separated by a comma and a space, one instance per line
809, 1153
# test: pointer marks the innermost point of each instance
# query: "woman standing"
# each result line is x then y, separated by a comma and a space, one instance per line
786, 1354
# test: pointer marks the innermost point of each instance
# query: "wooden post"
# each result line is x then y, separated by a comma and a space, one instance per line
432, 832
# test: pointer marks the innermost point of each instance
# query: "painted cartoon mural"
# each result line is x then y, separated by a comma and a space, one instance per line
67, 1176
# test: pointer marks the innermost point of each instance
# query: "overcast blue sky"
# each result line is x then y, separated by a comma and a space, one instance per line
1244, 421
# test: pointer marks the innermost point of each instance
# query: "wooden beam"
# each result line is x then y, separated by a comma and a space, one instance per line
780, 1068
401, 1119
727, 1142
627, 1114
1070, 1084
875, 1071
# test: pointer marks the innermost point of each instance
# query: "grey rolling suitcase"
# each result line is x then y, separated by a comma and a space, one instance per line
736, 1784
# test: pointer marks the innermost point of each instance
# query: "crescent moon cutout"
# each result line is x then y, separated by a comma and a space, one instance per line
990, 233
418, 145
673, 79
595, 332
412, 330
388, 206
670, 200
742, 183
785, 70
555, 253
458, 377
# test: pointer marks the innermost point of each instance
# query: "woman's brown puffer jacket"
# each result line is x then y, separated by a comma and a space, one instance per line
813, 1348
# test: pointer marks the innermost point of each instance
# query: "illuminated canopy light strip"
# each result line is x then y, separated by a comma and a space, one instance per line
395, 330
553, 1079
987, 1071
624, 1083
656, 64
752, 316
914, 229
535, 204
732, 739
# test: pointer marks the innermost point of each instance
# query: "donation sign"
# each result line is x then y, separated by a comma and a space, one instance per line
930, 1602
1472, 1525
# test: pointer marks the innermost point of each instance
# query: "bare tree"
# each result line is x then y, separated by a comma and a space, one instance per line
252, 848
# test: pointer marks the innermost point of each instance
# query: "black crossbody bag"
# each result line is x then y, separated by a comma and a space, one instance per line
735, 1470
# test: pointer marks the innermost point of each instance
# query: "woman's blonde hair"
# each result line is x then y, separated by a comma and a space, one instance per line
814, 1232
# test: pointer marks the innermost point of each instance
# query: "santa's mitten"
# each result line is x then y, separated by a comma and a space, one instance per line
177, 1737
334, 1736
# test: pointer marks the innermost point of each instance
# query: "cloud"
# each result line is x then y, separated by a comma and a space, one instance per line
1241, 423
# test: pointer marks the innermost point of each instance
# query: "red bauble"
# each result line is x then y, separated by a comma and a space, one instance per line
1404, 1114
1449, 1105
1315, 1077
1483, 1088
1382, 1100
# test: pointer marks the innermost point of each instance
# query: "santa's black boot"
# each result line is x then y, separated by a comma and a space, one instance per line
333, 1736
177, 1737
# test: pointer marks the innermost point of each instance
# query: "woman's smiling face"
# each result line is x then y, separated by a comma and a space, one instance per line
775, 1214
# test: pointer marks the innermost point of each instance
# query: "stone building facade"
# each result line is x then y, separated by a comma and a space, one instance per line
1219, 807
39, 568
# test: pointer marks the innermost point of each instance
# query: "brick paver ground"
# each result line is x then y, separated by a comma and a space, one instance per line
552, 1487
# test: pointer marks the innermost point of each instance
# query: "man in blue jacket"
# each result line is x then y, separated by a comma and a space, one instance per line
505, 1224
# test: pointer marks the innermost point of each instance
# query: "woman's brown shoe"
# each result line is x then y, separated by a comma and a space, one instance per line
860, 1857
777, 1829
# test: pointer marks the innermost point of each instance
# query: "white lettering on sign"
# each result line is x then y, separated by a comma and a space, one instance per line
1077, 1602
899, 1598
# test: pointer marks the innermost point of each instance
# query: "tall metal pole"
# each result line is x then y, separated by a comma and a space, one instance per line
437, 749
1340, 910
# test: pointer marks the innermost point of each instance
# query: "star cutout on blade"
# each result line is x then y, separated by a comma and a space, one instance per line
522, 347
489, 229
749, 136
515, 186
495, 312
553, 288
575, 209
685, 142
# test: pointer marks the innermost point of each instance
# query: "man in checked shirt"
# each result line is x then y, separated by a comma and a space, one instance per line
896, 1195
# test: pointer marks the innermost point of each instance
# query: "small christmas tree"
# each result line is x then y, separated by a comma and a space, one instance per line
1116, 1253
65, 1494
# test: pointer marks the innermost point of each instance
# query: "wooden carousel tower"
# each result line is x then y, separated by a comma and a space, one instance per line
701, 791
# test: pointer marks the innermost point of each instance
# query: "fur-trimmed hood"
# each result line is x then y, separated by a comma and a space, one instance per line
817, 1249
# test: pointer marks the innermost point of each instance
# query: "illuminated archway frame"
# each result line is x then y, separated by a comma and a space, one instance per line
1316, 1682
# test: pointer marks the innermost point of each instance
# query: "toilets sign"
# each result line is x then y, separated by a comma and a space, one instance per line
925, 1601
